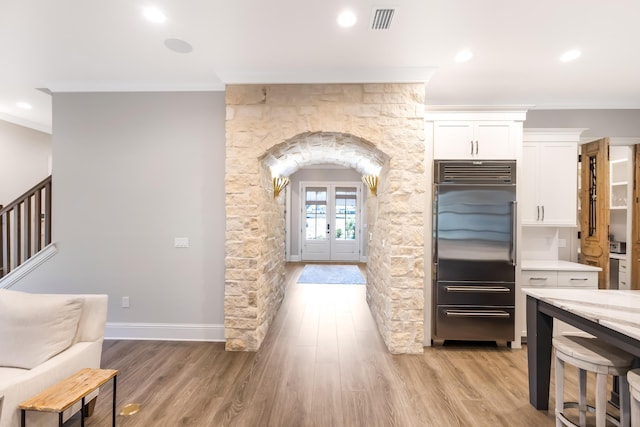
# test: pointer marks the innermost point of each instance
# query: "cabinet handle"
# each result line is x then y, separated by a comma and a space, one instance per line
538, 217
476, 147
581, 279
542, 213
623, 266
471, 148
623, 283
538, 278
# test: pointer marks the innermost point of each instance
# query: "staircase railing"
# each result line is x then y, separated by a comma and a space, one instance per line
25, 226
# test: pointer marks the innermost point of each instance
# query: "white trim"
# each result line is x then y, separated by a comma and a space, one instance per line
287, 224
42, 127
363, 258
164, 331
294, 258
31, 264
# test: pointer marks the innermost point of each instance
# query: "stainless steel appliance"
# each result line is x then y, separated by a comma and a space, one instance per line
618, 247
474, 250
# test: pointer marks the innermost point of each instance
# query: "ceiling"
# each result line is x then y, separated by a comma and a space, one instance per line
97, 45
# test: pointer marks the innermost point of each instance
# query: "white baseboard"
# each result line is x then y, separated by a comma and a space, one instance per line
164, 332
294, 258
28, 266
363, 258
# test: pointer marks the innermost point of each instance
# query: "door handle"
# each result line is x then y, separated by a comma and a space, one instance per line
328, 228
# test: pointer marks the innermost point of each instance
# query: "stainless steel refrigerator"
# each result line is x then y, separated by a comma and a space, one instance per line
474, 250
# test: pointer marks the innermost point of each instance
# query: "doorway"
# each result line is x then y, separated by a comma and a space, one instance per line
330, 219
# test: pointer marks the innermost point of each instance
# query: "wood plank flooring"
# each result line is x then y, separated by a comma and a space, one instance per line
322, 363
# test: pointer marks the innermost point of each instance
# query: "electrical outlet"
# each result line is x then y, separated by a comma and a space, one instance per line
125, 302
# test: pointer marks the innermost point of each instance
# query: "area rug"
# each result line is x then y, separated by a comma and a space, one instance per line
331, 275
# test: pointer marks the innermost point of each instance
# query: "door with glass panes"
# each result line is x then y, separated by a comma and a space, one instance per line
330, 219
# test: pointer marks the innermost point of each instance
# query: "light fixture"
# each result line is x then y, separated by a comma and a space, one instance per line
570, 55
372, 183
24, 105
154, 15
464, 56
279, 182
347, 19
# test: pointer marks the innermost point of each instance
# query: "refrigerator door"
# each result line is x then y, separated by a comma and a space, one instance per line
474, 232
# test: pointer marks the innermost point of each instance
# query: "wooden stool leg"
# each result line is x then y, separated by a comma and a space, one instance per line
582, 402
601, 400
624, 401
559, 390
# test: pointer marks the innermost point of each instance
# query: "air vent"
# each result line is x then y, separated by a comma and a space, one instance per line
479, 172
382, 19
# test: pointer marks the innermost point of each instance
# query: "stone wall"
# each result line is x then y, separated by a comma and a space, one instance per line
387, 120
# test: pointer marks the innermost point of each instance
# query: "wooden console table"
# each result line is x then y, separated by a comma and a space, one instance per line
61, 396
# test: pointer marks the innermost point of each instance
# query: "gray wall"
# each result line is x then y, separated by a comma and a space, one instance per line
600, 123
131, 172
25, 156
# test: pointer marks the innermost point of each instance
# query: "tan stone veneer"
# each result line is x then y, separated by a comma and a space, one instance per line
281, 128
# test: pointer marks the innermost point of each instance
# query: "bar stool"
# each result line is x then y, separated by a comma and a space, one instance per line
633, 376
593, 355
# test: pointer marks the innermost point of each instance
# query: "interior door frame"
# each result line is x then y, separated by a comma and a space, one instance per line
359, 214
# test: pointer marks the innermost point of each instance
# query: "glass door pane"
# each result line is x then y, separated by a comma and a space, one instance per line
316, 213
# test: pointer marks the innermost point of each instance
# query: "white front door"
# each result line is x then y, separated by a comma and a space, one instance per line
330, 216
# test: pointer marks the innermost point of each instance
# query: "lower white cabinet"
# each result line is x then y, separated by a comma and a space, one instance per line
554, 279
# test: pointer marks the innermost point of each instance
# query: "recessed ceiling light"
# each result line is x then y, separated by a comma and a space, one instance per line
347, 19
154, 15
24, 105
570, 55
464, 56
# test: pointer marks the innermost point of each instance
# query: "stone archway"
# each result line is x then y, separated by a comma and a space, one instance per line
276, 129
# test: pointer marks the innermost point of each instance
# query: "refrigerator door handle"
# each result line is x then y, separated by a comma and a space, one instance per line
480, 289
514, 232
477, 313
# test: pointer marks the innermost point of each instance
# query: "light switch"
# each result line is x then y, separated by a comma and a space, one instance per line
181, 242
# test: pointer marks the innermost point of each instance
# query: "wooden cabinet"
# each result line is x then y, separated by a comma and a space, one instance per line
481, 135
548, 187
561, 277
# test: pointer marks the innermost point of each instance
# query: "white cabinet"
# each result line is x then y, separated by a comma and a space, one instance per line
481, 134
558, 278
474, 140
548, 187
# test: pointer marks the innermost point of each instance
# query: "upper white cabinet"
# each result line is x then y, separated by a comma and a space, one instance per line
548, 185
468, 135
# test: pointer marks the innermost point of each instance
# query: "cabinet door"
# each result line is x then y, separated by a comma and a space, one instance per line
558, 177
453, 140
494, 140
528, 185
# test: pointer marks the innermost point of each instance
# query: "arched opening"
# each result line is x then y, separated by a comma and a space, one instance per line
376, 130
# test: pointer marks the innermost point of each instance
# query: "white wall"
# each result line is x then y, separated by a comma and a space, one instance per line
25, 156
131, 172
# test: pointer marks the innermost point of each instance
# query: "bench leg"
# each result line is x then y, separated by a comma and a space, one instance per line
82, 414
23, 416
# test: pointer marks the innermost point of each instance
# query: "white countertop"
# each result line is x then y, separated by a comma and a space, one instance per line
555, 265
616, 309
617, 256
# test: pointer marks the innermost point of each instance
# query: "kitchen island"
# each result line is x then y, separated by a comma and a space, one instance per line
611, 315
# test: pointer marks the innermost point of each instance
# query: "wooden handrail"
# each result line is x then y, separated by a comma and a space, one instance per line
21, 231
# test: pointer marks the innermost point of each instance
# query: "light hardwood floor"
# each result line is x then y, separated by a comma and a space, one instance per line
322, 363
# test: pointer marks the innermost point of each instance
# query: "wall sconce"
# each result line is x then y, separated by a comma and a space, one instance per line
279, 182
372, 183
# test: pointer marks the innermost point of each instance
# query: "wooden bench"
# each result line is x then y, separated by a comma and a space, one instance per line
63, 395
